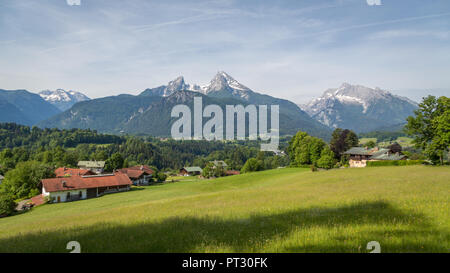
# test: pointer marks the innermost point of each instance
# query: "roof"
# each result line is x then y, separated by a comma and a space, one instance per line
63, 172
140, 168
85, 182
232, 172
387, 156
365, 151
193, 169
37, 200
137, 171
91, 164
375, 154
219, 163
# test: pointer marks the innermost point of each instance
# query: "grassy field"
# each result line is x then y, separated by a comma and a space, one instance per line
364, 140
405, 209
403, 141
182, 178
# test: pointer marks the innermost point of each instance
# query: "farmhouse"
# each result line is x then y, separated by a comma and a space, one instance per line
95, 166
72, 188
360, 155
219, 163
189, 171
64, 172
139, 175
232, 172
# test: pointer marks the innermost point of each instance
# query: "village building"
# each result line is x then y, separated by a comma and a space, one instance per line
219, 164
190, 171
72, 188
139, 175
96, 166
64, 172
360, 155
232, 172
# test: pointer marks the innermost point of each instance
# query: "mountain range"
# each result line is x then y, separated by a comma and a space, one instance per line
23, 107
360, 108
63, 99
149, 112
355, 107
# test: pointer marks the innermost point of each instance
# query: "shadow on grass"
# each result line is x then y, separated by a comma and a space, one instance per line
192, 234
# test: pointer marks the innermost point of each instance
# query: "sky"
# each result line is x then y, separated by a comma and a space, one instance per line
289, 49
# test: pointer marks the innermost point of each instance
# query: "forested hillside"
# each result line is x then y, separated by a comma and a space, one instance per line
58, 148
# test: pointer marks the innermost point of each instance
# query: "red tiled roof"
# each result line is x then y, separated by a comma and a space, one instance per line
37, 200
62, 172
136, 171
78, 182
232, 172
142, 168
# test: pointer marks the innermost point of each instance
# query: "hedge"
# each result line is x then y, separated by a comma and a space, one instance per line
393, 163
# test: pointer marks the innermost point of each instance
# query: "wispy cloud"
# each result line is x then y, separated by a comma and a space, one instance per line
292, 49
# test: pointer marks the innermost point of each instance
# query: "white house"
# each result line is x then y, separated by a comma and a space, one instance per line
64, 189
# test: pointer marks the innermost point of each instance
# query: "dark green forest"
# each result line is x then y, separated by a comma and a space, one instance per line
57, 148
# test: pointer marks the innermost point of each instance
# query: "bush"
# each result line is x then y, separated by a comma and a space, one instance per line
326, 160
394, 163
252, 165
7, 205
162, 176
23, 181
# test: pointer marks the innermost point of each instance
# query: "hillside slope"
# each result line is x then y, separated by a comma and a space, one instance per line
149, 113
23, 107
63, 99
283, 210
360, 108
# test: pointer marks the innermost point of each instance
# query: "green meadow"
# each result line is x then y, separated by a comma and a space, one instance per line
405, 209
403, 141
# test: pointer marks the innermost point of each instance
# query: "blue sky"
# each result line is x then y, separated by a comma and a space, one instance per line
290, 49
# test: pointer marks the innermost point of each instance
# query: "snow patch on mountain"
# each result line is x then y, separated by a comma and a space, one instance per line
220, 83
350, 106
63, 99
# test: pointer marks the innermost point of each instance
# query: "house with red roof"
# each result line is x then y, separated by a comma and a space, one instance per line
72, 188
139, 175
64, 172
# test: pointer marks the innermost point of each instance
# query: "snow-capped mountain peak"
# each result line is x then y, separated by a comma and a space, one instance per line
223, 81
62, 99
338, 106
175, 85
